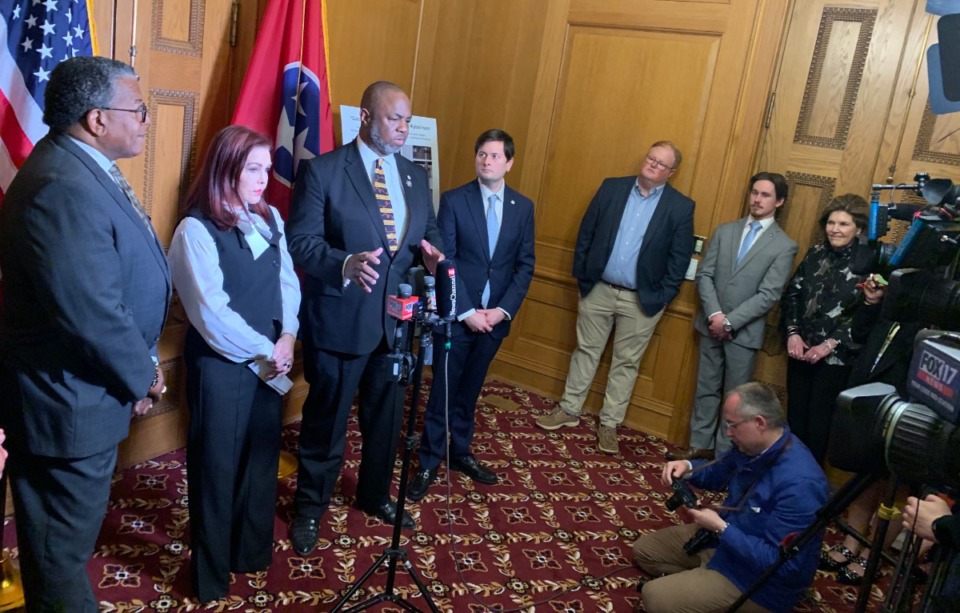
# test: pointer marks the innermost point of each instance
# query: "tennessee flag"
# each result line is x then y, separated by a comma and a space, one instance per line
286, 92
34, 38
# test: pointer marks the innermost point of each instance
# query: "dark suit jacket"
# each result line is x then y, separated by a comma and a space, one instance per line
664, 254
86, 291
463, 226
744, 292
334, 214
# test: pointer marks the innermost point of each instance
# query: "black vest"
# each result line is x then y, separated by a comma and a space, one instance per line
253, 285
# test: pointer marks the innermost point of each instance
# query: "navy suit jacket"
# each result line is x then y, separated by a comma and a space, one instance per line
463, 226
665, 252
334, 214
86, 292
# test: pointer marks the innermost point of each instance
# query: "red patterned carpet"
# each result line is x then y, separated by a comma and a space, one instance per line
555, 535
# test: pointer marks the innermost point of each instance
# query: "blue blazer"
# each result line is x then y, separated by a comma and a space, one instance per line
664, 254
463, 226
86, 292
334, 214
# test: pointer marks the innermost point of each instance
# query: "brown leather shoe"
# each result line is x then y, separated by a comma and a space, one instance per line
690, 453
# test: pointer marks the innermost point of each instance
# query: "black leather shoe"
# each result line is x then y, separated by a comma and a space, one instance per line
690, 453
387, 512
422, 481
472, 468
303, 534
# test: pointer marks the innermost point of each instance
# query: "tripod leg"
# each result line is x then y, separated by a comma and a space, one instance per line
885, 513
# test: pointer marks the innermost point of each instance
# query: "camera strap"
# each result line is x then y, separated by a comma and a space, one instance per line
760, 471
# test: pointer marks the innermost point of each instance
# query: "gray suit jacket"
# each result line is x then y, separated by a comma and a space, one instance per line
745, 293
86, 291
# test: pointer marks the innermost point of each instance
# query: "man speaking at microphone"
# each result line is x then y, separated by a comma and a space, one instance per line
487, 229
361, 216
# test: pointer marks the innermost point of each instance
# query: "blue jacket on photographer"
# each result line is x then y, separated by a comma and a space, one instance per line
774, 489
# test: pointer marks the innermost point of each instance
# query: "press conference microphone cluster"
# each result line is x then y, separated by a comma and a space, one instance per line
447, 294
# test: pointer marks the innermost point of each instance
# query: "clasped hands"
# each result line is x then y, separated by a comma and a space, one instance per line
154, 394
281, 360
359, 267
484, 320
715, 324
798, 349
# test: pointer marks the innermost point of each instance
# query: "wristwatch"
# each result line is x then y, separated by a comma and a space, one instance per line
727, 326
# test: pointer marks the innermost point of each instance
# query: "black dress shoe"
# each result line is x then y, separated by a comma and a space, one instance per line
387, 512
472, 468
303, 534
421, 483
690, 453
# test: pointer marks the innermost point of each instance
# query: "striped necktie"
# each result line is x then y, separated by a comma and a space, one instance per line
386, 207
121, 182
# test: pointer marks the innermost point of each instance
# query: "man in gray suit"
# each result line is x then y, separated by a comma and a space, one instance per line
85, 295
740, 279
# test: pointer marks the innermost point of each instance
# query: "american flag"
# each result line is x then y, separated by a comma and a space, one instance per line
36, 35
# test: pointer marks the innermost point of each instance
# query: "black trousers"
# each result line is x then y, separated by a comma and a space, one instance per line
464, 367
812, 391
60, 504
334, 380
233, 448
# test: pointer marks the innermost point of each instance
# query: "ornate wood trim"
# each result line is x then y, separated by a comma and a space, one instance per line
827, 185
189, 101
866, 18
922, 151
194, 43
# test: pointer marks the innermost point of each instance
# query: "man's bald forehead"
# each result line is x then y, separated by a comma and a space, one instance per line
376, 91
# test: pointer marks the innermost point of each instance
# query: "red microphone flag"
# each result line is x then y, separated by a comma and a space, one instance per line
286, 92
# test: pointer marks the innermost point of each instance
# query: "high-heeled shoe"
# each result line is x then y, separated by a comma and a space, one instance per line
829, 564
848, 576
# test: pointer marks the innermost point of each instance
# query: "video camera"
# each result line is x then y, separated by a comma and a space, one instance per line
875, 429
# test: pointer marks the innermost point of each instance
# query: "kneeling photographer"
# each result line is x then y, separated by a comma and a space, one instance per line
774, 489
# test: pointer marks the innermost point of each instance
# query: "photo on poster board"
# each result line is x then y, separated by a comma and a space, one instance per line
421, 147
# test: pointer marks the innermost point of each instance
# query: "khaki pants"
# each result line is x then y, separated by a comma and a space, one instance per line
688, 585
603, 309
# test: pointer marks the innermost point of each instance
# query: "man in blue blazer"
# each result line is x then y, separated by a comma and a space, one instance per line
85, 295
487, 229
361, 217
632, 252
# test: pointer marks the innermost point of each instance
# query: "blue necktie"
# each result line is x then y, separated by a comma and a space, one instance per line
493, 233
748, 240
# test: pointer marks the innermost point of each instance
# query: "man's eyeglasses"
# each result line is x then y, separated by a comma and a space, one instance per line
658, 164
142, 109
732, 425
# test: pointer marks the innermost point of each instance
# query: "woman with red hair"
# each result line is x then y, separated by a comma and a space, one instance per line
235, 278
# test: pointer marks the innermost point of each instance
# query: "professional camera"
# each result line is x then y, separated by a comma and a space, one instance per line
932, 238
682, 496
875, 429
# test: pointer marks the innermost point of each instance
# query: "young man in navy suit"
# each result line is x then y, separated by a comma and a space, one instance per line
487, 229
633, 249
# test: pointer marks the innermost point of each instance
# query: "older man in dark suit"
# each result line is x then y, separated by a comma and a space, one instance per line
488, 229
86, 289
361, 217
740, 279
633, 249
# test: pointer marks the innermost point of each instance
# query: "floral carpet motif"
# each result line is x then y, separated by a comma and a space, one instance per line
555, 535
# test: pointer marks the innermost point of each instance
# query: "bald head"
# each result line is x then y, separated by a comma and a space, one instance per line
385, 115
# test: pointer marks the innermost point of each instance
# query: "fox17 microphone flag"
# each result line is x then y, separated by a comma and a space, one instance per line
286, 92
35, 37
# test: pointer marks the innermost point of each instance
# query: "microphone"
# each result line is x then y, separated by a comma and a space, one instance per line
447, 289
903, 212
429, 294
404, 306
415, 278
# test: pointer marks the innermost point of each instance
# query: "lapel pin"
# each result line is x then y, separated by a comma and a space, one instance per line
513, 202
409, 181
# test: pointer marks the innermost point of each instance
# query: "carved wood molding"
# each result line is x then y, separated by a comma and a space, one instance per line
826, 185
189, 102
194, 43
922, 151
866, 19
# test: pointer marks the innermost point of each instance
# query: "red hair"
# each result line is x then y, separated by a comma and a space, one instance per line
214, 190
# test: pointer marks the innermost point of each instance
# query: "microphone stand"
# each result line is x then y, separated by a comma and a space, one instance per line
395, 553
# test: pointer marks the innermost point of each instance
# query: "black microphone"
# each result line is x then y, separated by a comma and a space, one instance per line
447, 289
429, 294
903, 212
415, 280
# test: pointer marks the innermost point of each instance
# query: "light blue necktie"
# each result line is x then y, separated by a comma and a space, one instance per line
493, 233
748, 240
